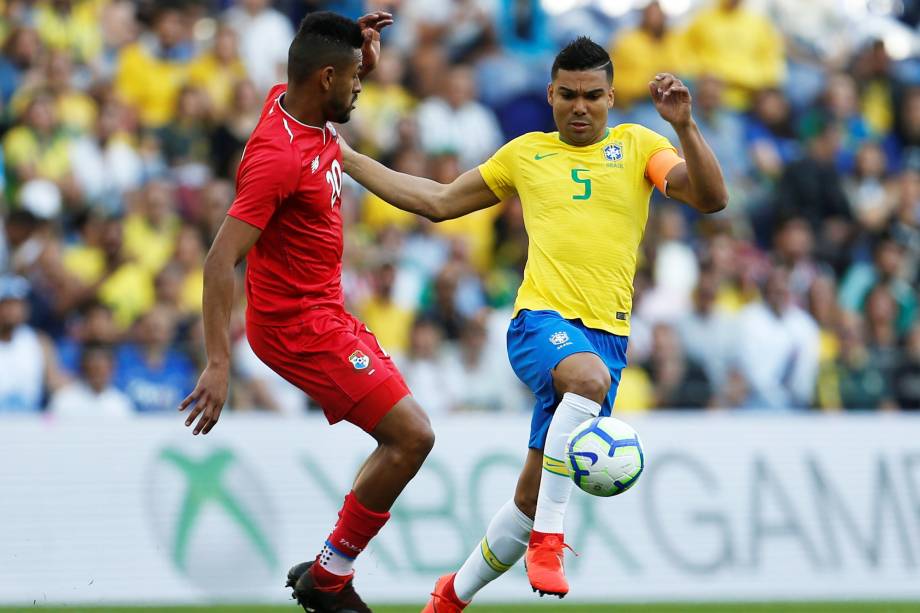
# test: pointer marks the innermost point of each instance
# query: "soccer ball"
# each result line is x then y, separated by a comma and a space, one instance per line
604, 456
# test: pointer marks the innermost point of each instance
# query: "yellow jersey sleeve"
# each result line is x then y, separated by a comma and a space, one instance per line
651, 142
499, 171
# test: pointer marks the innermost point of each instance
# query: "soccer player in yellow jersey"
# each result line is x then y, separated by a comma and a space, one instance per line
585, 193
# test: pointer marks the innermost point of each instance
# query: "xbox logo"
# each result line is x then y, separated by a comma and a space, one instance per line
213, 519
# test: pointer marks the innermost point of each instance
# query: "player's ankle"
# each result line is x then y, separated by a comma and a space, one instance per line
451, 594
327, 581
537, 537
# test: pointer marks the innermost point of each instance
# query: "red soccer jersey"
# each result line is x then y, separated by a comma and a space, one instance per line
289, 185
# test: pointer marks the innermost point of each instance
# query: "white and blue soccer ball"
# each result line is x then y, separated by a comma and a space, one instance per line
604, 456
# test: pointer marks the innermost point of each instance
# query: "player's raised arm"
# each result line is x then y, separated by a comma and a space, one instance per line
699, 182
436, 201
234, 239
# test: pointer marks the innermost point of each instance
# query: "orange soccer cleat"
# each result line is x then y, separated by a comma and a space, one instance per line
444, 599
544, 563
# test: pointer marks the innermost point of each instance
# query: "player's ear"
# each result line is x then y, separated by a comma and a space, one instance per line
610, 97
326, 77
549, 94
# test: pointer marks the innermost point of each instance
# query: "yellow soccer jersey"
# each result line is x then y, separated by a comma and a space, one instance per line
585, 210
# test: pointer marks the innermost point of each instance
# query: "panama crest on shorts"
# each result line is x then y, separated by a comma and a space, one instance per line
359, 360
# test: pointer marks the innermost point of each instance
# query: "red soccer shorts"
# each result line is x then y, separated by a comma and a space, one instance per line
337, 361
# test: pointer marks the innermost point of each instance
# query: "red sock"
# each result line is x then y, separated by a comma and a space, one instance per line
326, 581
357, 525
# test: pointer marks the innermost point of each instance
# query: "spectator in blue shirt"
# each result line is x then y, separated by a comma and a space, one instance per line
154, 374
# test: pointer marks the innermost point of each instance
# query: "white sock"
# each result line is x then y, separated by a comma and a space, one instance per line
335, 562
555, 483
503, 545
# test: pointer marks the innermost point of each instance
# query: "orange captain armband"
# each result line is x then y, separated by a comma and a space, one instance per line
658, 167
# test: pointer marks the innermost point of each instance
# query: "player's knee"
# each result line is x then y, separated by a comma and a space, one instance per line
416, 441
406, 433
421, 441
593, 384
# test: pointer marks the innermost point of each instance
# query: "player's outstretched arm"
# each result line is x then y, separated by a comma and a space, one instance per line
436, 201
234, 240
699, 182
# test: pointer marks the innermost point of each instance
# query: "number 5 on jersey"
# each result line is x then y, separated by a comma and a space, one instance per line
334, 179
584, 182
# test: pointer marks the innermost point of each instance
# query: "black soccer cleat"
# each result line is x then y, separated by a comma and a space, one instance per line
295, 572
314, 600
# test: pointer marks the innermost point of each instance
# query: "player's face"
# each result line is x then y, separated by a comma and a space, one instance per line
346, 87
580, 101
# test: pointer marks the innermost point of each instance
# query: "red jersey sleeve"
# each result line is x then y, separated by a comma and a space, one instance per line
268, 174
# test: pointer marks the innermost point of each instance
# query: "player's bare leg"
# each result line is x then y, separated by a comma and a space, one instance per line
583, 380
528, 485
404, 439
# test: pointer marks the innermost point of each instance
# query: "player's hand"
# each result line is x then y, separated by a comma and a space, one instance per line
208, 397
371, 25
672, 99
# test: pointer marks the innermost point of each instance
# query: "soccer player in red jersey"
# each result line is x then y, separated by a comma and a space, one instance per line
286, 220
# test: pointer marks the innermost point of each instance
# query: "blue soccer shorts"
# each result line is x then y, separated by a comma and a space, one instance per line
538, 341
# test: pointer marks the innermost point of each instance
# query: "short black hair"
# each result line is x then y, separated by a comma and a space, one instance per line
160, 8
323, 39
583, 54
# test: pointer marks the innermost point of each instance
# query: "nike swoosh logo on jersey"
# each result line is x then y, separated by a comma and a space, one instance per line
540, 156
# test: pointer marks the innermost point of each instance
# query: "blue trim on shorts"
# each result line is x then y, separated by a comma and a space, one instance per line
538, 341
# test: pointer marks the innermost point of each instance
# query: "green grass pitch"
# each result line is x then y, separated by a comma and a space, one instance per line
784, 607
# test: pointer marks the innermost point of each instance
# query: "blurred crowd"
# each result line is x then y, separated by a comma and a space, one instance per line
123, 123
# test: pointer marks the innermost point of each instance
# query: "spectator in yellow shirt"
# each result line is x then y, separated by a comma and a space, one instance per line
38, 148
75, 110
71, 26
150, 230
390, 321
743, 49
151, 71
123, 285
639, 54
384, 102
218, 71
